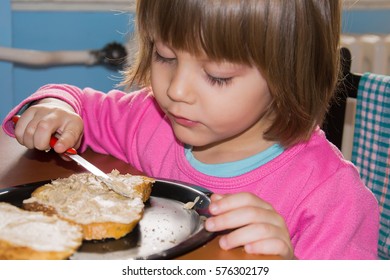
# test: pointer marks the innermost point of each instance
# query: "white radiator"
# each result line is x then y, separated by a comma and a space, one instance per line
370, 53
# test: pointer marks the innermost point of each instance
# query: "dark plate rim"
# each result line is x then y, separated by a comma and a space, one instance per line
194, 241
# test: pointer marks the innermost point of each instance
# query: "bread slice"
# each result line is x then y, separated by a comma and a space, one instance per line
35, 236
83, 199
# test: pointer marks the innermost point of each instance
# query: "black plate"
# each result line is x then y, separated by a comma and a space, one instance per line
166, 231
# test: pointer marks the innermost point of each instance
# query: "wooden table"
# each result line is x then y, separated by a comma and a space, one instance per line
19, 165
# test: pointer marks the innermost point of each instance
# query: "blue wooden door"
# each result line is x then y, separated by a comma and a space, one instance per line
6, 91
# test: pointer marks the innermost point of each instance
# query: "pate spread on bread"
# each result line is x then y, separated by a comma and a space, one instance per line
34, 235
85, 200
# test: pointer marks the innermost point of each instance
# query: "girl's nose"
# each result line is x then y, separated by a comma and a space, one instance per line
180, 88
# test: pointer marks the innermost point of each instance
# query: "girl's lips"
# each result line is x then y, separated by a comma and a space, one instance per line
183, 121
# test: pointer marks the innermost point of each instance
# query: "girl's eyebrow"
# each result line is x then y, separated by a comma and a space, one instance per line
204, 58
231, 66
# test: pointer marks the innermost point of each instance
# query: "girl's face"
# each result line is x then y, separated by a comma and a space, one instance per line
216, 107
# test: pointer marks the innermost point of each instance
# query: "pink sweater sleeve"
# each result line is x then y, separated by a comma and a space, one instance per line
107, 128
57, 91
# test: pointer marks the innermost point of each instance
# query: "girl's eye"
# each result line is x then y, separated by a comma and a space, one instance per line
162, 59
218, 81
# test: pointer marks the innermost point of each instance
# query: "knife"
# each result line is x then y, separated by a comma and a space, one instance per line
72, 153
103, 177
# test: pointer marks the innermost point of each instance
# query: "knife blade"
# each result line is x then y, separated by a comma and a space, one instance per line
72, 153
103, 177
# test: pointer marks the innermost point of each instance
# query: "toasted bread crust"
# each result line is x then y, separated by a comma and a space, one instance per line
10, 251
37, 207
144, 189
95, 229
92, 231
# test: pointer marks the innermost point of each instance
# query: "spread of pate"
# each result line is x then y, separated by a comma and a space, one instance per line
45, 233
85, 199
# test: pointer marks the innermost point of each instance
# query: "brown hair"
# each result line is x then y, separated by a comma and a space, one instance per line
294, 43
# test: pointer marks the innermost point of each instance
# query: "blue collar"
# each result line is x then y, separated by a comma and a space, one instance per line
235, 168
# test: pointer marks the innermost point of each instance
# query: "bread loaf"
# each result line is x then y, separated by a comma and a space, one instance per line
34, 235
83, 199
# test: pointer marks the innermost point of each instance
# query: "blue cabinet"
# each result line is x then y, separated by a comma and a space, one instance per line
57, 31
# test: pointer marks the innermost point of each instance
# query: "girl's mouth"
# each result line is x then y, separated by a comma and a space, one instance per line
183, 121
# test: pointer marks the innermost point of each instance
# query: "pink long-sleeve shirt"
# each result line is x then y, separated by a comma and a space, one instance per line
329, 212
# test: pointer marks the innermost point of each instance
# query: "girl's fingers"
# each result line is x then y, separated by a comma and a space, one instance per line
252, 233
238, 210
36, 135
254, 224
20, 129
259, 239
69, 137
43, 131
215, 197
271, 246
35, 128
25, 136
243, 216
234, 201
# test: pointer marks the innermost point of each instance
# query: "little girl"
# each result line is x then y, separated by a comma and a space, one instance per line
233, 93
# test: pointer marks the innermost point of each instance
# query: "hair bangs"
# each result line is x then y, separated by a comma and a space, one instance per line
218, 29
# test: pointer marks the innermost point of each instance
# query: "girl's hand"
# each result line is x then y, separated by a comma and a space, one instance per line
47, 117
254, 224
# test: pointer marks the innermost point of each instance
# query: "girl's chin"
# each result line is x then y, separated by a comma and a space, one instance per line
195, 137
191, 141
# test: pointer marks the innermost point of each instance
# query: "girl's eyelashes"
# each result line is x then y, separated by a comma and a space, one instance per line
162, 59
214, 81
218, 81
